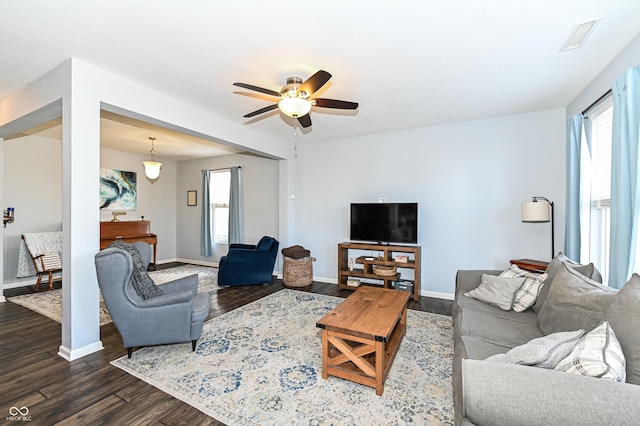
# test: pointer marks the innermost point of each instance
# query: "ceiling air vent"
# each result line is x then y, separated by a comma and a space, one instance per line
581, 31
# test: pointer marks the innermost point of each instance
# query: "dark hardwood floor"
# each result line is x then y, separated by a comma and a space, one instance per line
91, 391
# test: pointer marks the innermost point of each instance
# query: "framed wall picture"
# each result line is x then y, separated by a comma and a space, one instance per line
192, 198
118, 190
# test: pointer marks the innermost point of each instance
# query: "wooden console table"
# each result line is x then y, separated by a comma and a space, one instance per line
383, 256
129, 231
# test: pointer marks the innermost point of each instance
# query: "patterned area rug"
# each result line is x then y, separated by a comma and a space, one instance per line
49, 303
261, 364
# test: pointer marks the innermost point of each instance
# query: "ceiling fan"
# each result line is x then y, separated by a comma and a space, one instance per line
295, 97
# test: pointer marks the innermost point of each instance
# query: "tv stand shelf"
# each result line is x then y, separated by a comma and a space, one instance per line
383, 257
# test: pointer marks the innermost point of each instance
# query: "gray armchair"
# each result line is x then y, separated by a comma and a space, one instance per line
175, 317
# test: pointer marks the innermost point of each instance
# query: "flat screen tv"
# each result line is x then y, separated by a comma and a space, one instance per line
384, 222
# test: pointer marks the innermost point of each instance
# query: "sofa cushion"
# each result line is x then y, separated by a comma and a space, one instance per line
496, 291
491, 329
597, 354
574, 302
527, 294
200, 307
624, 317
475, 348
468, 303
589, 271
543, 352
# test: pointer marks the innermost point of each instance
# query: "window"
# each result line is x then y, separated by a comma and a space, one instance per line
597, 219
219, 190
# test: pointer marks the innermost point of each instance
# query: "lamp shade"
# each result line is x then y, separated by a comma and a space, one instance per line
152, 169
536, 211
294, 107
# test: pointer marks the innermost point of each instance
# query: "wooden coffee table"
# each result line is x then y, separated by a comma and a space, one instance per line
361, 336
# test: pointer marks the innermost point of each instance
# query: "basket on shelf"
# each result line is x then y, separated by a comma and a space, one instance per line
385, 271
297, 272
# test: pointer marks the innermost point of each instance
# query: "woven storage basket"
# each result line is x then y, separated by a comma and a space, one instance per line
297, 272
385, 271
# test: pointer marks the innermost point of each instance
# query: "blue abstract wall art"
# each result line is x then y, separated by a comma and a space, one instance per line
118, 190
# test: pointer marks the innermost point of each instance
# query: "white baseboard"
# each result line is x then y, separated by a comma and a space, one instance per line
437, 295
193, 262
73, 354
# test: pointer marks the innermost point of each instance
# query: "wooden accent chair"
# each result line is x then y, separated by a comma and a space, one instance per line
45, 264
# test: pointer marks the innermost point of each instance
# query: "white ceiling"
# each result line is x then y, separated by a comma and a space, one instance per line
409, 64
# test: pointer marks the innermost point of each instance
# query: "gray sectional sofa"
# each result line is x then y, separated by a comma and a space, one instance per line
499, 393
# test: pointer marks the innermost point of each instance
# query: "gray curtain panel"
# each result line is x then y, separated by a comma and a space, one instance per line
236, 213
206, 244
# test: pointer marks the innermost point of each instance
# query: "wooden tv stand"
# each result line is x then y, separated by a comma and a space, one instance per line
383, 255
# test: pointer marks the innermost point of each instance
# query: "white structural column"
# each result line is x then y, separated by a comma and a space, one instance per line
80, 217
78, 91
2, 298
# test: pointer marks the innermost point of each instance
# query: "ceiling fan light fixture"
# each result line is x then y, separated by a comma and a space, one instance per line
152, 167
296, 98
294, 107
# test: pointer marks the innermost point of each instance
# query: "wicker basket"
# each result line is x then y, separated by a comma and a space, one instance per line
297, 272
385, 271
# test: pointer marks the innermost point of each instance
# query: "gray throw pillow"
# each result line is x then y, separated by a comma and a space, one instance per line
574, 302
496, 291
624, 317
588, 271
543, 352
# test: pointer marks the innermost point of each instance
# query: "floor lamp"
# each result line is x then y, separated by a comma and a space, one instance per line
539, 210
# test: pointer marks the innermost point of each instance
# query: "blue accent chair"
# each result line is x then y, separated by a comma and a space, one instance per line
247, 264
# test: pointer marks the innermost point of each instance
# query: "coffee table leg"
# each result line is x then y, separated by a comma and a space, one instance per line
380, 350
325, 353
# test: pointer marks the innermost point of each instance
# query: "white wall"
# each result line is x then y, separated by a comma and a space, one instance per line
469, 179
32, 182
33, 186
156, 201
260, 188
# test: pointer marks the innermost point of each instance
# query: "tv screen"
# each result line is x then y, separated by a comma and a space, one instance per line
384, 222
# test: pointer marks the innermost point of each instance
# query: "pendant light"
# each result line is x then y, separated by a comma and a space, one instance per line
152, 167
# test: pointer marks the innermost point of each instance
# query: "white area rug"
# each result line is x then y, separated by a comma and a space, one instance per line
261, 364
49, 303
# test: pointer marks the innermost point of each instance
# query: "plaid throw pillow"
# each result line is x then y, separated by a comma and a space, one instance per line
597, 354
527, 294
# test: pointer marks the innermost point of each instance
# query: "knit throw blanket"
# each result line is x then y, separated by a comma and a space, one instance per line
142, 282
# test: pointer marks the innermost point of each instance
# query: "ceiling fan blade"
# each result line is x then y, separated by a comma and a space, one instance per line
261, 111
315, 82
305, 120
334, 103
258, 89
